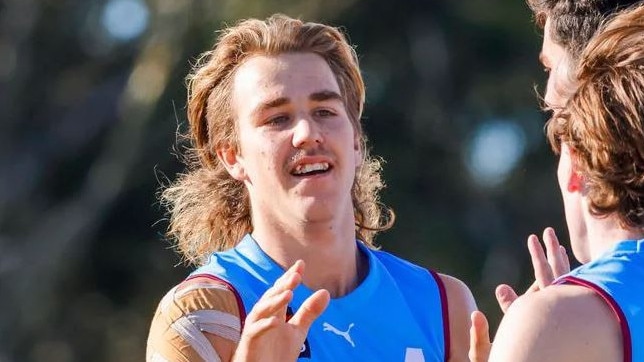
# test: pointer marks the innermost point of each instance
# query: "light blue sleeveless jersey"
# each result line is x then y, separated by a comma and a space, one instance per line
618, 276
398, 313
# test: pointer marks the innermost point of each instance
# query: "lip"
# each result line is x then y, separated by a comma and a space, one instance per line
307, 160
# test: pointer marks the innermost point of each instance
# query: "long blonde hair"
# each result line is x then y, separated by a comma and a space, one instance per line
209, 210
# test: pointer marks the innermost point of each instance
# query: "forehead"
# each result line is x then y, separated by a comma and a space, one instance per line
289, 75
551, 52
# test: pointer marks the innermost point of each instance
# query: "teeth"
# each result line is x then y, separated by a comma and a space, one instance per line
302, 169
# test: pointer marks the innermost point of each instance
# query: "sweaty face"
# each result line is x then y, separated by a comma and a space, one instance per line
557, 65
298, 151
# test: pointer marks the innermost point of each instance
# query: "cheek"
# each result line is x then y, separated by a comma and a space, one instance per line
552, 97
560, 175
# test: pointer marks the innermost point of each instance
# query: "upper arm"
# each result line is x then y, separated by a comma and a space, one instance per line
197, 320
559, 323
461, 304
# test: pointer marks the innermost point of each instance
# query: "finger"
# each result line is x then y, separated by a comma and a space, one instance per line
542, 272
566, 260
270, 306
532, 288
259, 327
505, 296
480, 345
553, 252
291, 278
310, 310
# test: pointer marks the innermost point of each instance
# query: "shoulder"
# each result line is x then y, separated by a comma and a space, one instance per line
456, 290
460, 301
559, 323
460, 304
197, 305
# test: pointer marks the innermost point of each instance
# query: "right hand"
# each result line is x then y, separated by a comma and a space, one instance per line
480, 345
547, 265
267, 335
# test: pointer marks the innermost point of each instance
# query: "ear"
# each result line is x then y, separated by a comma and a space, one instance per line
574, 179
357, 150
233, 163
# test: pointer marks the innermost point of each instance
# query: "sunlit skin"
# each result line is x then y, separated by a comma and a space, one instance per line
570, 185
290, 116
556, 64
560, 322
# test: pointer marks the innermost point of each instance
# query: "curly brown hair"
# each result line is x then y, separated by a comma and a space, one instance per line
210, 210
574, 22
603, 122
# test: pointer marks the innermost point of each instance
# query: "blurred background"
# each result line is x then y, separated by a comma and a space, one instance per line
92, 94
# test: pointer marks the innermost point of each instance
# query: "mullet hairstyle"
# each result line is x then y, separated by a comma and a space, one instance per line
603, 122
208, 209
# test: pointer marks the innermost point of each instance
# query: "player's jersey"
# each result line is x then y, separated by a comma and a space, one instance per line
398, 312
618, 277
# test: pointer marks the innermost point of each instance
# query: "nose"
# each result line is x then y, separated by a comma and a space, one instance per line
306, 133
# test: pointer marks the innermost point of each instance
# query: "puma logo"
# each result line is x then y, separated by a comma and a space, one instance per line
345, 334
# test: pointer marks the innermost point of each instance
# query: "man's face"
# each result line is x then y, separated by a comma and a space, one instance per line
298, 150
556, 63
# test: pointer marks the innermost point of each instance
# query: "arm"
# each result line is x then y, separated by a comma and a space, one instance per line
196, 320
460, 304
199, 320
560, 323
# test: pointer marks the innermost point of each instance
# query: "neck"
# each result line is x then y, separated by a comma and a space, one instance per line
605, 232
332, 258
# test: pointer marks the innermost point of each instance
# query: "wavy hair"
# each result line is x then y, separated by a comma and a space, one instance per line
574, 22
603, 122
209, 210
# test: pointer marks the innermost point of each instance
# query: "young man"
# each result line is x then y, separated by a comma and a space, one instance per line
595, 312
279, 210
567, 25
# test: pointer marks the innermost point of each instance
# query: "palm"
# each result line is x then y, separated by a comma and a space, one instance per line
268, 335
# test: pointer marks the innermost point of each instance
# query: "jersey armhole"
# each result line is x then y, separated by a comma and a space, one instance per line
619, 314
445, 312
238, 299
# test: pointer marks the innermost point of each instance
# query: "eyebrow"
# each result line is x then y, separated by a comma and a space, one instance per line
320, 96
325, 95
277, 102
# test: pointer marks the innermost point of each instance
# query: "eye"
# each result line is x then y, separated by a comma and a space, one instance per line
324, 113
277, 120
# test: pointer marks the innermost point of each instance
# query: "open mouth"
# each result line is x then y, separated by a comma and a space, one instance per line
310, 169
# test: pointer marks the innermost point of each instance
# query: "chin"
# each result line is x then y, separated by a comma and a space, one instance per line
581, 254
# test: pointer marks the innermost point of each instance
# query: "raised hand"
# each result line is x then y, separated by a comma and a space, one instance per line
547, 265
267, 335
480, 344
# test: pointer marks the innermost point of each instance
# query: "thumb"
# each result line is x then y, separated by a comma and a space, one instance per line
479, 338
505, 296
310, 310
